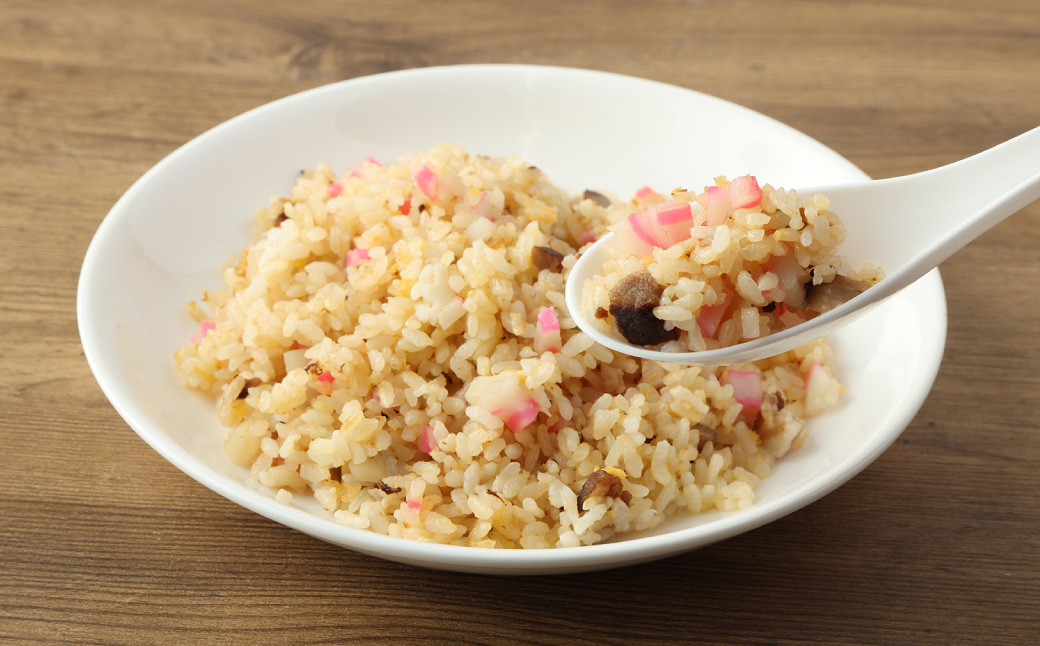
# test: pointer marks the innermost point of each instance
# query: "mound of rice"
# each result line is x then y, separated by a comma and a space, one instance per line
394, 342
733, 262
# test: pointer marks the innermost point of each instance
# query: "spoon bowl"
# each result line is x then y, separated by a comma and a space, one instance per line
906, 225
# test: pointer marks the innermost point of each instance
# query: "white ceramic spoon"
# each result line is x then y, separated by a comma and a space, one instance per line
906, 225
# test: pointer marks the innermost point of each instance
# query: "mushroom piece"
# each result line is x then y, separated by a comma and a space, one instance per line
598, 198
547, 258
632, 303
602, 483
826, 296
705, 434
246, 385
770, 422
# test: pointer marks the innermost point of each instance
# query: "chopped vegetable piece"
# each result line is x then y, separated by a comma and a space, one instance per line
547, 332
504, 397
490, 205
640, 238
204, 328
710, 317
326, 377
359, 171
586, 237
548, 321
826, 296
792, 278
294, 359
674, 220
406, 207
426, 180
717, 206
790, 317
522, 417
747, 389
426, 441
769, 421
547, 258
658, 225
648, 194
249, 383
598, 198
356, 256
600, 483
705, 434
744, 192
632, 303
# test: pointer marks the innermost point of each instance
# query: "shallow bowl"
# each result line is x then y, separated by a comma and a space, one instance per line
164, 240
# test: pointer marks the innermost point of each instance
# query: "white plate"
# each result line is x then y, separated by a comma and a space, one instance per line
164, 240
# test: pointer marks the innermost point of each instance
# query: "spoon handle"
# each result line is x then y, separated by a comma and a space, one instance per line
908, 225
964, 199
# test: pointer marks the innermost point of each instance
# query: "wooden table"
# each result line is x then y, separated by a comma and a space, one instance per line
102, 541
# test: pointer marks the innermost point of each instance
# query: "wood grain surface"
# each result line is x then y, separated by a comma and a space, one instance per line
103, 542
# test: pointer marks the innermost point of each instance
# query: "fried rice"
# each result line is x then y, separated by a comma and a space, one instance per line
394, 342
701, 270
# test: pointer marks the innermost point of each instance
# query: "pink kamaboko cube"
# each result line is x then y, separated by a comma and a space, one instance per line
744, 192
357, 256
204, 328
547, 332
747, 389
426, 180
659, 225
